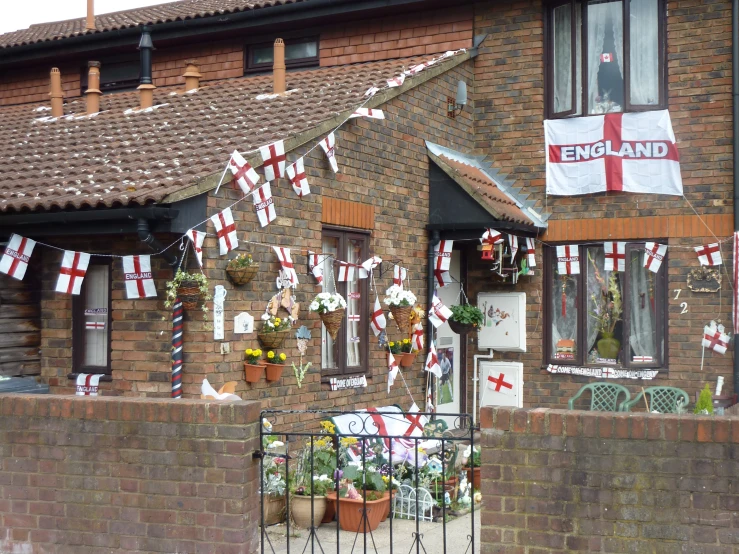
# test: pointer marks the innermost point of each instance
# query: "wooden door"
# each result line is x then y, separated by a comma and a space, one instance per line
20, 335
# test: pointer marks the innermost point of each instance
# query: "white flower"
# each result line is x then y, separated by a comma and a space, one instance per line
276, 444
313, 306
467, 452
324, 295
265, 316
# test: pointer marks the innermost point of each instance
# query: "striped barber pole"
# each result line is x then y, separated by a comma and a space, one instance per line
177, 349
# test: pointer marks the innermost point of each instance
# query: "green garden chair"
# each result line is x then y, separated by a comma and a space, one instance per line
603, 397
661, 399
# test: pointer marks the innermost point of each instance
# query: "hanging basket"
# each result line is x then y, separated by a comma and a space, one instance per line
402, 317
274, 339
190, 295
407, 359
242, 275
332, 321
460, 328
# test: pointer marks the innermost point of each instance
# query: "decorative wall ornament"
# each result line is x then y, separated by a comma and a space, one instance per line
340, 383
219, 296
243, 323
704, 279
604, 372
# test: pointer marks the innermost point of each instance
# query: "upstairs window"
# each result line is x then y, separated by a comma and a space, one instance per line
116, 75
299, 52
605, 57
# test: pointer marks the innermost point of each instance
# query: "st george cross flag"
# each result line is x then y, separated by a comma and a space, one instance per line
632, 152
429, 401
372, 91
392, 370
225, 231
417, 338
377, 320
346, 272
432, 362
72, 272
243, 173
264, 204
367, 112
709, 254
498, 382
87, 384
94, 325
396, 81
16, 256
288, 269
399, 275
315, 266
139, 280
372, 263
442, 261
329, 146
530, 253
273, 158
714, 338
439, 313
654, 253
615, 256
491, 236
513, 242
296, 174
568, 260
197, 238
606, 57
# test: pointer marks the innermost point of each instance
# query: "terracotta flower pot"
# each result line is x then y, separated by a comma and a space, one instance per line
253, 372
350, 513
300, 509
274, 371
407, 359
473, 476
330, 513
274, 510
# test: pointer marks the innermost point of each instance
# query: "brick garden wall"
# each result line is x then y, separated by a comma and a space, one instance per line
85, 475
560, 481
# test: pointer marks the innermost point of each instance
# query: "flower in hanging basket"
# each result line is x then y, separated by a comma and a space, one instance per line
191, 288
467, 314
253, 356
274, 324
242, 269
327, 302
242, 261
396, 296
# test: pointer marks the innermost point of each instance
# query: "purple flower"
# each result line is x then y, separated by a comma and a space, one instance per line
338, 474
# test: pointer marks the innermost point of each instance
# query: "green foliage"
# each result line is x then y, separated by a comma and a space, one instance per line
467, 314
181, 277
241, 261
705, 402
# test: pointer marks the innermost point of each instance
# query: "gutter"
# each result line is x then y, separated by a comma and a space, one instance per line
122, 214
151, 241
735, 125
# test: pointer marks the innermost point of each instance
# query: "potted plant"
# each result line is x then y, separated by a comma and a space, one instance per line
303, 496
273, 331
361, 488
275, 365
330, 307
704, 405
607, 309
465, 318
401, 302
252, 368
190, 288
273, 487
473, 466
408, 355
241, 269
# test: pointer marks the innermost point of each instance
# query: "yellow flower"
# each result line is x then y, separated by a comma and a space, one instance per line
258, 352
283, 357
391, 343
277, 320
328, 427
248, 351
270, 354
406, 341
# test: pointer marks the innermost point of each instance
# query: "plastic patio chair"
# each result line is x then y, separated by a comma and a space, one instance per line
604, 397
661, 399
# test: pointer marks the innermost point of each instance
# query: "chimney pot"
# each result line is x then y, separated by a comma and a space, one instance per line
90, 22
93, 93
278, 67
56, 94
192, 75
146, 88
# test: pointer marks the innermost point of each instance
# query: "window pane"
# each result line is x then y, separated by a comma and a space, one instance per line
643, 305
329, 349
564, 314
95, 292
605, 47
353, 306
562, 49
605, 310
644, 52
262, 54
301, 50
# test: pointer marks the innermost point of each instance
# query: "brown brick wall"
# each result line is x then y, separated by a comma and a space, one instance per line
398, 36
120, 475
21, 87
559, 481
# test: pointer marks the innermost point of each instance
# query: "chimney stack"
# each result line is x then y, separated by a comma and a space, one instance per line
278, 67
90, 23
93, 88
57, 105
146, 88
192, 75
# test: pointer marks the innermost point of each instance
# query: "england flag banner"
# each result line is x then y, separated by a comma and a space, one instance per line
16, 256
568, 260
709, 254
296, 175
714, 338
273, 160
329, 147
286, 261
633, 152
264, 205
654, 253
72, 272
615, 256
377, 320
315, 266
530, 252
439, 313
197, 238
243, 173
139, 280
432, 362
225, 231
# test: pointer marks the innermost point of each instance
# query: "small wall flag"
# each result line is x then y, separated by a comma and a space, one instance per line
288, 269
417, 338
298, 179
513, 242
439, 313
264, 205
530, 252
392, 370
432, 362
714, 338
346, 271
654, 253
197, 238
273, 158
709, 254
615, 256
329, 147
377, 321
315, 266
225, 230
568, 259
72, 272
243, 173
139, 280
399, 275
16, 256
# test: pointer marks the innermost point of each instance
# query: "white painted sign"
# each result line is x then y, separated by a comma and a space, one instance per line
218, 313
604, 372
243, 323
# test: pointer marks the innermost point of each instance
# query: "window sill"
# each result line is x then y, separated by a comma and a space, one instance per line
105, 377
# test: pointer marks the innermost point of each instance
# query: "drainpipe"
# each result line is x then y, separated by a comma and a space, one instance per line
434, 239
735, 124
146, 237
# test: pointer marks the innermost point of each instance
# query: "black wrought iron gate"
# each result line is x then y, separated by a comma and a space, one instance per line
379, 478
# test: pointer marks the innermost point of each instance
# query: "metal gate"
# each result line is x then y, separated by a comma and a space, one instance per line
382, 481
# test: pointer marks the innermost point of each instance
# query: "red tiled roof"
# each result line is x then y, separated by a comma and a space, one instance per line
498, 201
118, 158
161, 13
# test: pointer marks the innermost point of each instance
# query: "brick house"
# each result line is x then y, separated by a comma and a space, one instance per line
418, 177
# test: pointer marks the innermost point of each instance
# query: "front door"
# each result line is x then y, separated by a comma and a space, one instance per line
448, 349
